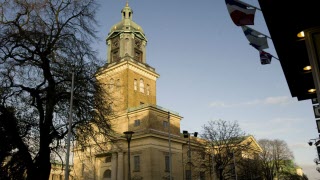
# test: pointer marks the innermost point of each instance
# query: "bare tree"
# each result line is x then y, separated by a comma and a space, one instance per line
249, 169
274, 158
41, 43
225, 141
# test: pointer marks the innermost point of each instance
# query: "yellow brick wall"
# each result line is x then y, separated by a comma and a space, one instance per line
123, 94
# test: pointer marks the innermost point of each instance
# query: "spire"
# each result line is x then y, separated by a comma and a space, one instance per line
127, 12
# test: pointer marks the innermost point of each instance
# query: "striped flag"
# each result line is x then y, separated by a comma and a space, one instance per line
239, 12
265, 58
256, 39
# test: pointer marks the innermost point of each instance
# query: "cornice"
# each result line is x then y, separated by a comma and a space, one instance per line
139, 68
133, 33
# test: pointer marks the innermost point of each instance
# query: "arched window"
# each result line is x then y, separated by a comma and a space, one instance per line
148, 89
141, 86
135, 84
107, 173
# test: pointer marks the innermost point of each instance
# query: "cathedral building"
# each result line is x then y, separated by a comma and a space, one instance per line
132, 84
157, 149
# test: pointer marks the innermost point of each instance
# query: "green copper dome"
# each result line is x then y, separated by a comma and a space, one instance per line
126, 24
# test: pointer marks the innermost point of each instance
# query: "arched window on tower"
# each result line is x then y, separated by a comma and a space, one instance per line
148, 89
135, 84
107, 174
141, 86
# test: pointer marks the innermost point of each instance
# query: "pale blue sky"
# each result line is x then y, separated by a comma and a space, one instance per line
208, 71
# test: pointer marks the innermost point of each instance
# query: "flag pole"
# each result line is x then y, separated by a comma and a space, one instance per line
258, 32
249, 5
66, 176
275, 57
271, 55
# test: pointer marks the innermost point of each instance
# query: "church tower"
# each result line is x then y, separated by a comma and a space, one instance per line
156, 150
131, 83
130, 80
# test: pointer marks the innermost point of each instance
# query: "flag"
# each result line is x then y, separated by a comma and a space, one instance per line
265, 58
256, 39
239, 12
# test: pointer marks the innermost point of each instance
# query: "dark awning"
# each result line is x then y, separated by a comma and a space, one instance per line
285, 19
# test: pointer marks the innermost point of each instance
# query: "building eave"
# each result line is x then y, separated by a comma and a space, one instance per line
284, 21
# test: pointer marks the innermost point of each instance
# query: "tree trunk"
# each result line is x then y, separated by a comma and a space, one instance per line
220, 174
45, 165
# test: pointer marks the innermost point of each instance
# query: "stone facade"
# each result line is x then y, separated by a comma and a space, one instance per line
157, 134
132, 85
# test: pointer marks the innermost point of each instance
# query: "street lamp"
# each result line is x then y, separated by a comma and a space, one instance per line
186, 134
317, 144
128, 135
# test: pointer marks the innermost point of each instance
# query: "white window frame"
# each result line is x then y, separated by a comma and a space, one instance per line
148, 89
136, 160
141, 85
135, 84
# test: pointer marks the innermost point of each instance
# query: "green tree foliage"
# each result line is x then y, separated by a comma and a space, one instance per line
41, 43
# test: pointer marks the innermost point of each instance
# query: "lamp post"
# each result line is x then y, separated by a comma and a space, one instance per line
234, 164
128, 135
66, 173
186, 134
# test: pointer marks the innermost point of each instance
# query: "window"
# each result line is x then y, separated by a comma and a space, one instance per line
167, 163
138, 55
202, 175
107, 173
188, 174
135, 84
165, 124
137, 122
136, 160
108, 159
115, 55
148, 89
141, 86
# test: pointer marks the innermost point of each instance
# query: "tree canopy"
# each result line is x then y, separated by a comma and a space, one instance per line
41, 43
